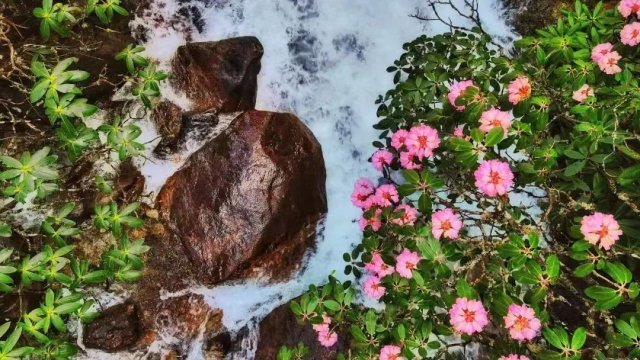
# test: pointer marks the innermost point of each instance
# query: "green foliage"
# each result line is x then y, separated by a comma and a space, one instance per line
105, 9
55, 17
583, 155
132, 57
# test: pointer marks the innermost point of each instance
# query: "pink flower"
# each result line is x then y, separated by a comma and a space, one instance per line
409, 215
522, 323
362, 191
378, 267
514, 357
373, 287
390, 352
399, 139
628, 7
600, 229
406, 262
609, 63
583, 93
327, 338
458, 132
381, 158
324, 325
494, 118
519, 89
468, 316
386, 195
600, 51
409, 161
445, 223
375, 222
630, 34
423, 140
457, 88
494, 177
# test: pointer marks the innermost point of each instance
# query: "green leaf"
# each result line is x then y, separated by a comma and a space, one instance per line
579, 338
552, 337
494, 136
574, 168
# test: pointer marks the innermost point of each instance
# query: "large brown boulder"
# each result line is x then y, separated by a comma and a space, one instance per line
219, 75
281, 327
248, 200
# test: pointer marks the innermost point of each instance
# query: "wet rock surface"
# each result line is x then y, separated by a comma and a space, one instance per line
250, 197
117, 328
219, 75
282, 328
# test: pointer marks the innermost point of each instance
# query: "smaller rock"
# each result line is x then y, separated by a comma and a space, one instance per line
282, 328
219, 75
116, 329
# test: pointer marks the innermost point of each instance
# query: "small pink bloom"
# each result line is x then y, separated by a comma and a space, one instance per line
373, 287
409, 161
600, 50
327, 338
522, 323
519, 89
390, 352
362, 190
445, 223
457, 89
494, 118
409, 215
583, 93
630, 34
399, 139
468, 316
381, 158
378, 267
375, 222
609, 63
600, 229
628, 7
494, 177
458, 132
406, 262
387, 194
324, 325
514, 357
423, 140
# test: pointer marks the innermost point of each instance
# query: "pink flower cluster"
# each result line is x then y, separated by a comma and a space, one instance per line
378, 269
445, 223
522, 323
606, 58
468, 316
494, 118
628, 7
583, 93
391, 352
494, 177
415, 145
601, 230
457, 89
519, 90
326, 336
514, 357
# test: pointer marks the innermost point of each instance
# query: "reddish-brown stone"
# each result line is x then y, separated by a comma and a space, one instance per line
282, 328
219, 75
250, 197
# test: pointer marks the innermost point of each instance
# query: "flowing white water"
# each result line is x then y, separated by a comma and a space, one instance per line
324, 61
